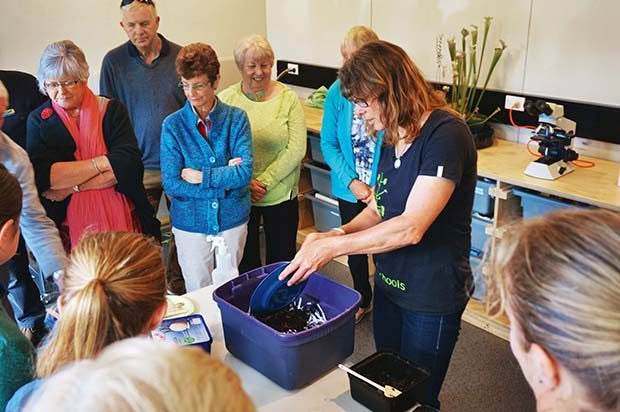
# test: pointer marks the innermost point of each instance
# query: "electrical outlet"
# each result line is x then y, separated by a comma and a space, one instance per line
293, 69
514, 102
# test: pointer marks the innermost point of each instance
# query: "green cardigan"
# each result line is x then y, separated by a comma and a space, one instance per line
16, 357
278, 140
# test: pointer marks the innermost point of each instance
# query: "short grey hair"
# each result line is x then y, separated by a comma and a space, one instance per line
62, 58
4, 93
253, 41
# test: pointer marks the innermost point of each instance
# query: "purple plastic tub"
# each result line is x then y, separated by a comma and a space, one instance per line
296, 359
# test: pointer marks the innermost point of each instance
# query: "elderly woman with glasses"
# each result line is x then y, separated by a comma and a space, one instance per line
279, 142
206, 165
87, 164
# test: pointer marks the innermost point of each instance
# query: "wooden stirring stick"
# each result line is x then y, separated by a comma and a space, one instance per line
388, 391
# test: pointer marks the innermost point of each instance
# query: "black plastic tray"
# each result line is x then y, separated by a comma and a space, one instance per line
387, 368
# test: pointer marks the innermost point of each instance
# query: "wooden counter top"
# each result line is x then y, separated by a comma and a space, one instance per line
506, 161
314, 118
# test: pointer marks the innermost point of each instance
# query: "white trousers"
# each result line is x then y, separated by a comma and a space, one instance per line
196, 258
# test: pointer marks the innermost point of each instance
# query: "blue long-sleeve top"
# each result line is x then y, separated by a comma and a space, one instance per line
222, 200
337, 146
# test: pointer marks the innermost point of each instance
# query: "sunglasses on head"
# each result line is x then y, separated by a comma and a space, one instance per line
128, 2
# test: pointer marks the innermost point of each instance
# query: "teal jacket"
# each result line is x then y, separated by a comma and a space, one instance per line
222, 200
336, 143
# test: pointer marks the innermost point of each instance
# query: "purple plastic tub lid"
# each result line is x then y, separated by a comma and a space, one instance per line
186, 330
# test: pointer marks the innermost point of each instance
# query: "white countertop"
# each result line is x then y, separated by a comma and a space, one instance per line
328, 393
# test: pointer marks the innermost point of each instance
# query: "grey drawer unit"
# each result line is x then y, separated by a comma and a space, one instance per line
315, 148
326, 215
321, 178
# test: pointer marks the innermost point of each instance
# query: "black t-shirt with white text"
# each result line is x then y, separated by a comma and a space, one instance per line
433, 275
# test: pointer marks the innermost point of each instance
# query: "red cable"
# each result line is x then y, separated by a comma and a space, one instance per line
529, 150
512, 122
585, 164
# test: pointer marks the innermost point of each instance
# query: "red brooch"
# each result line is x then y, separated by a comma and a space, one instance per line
46, 113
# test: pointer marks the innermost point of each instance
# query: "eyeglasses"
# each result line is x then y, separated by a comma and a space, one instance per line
66, 84
128, 2
197, 87
361, 103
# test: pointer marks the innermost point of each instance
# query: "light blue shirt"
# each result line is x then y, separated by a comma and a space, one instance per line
38, 230
337, 144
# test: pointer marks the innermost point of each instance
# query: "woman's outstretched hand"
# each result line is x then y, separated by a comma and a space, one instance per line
316, 251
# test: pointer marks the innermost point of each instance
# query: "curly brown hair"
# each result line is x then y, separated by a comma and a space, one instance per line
382, 70
197, 59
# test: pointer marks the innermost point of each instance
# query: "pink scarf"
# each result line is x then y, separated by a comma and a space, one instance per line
101, 210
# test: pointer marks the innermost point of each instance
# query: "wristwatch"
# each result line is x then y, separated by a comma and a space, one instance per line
76, 188
58, 275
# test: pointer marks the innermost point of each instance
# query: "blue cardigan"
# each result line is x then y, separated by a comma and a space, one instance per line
337, 146
222, 200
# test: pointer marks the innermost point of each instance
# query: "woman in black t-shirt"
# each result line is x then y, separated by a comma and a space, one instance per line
418, 226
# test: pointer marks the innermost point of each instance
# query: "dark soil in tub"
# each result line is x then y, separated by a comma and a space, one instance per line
287, 320
389, 370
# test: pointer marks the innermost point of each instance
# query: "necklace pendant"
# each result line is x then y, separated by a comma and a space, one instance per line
397, 163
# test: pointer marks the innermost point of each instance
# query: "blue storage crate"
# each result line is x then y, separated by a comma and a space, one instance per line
321, 179
326, 215
483, 202
478, 236
480, 284
536, 205
315, 148
291, 360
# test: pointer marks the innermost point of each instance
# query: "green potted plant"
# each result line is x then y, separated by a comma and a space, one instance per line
466, 74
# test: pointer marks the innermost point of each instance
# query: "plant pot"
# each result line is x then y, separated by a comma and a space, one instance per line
483, 135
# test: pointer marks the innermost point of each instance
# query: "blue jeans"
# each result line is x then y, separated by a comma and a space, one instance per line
24, 294
426, 339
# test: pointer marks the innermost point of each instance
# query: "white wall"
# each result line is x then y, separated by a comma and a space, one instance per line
311, 31
556, 48
27, 26
416, 25
574, 52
